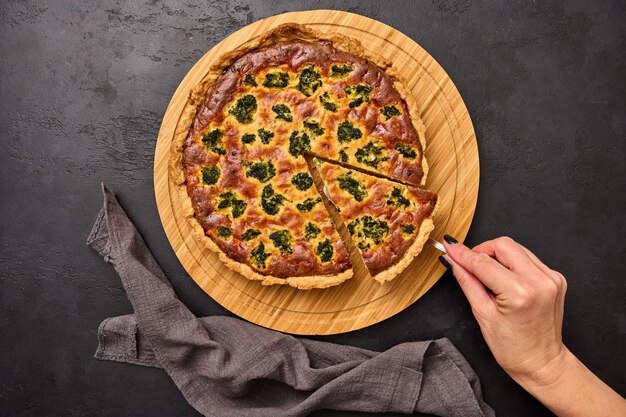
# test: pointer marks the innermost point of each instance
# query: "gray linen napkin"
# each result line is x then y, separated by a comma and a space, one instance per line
228, 367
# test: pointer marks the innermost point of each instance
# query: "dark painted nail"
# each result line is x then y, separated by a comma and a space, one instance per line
450, 239
445, 263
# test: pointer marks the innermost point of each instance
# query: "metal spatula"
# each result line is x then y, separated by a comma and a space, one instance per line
438, 245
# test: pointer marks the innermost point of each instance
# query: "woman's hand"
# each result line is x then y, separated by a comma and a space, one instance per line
518, 303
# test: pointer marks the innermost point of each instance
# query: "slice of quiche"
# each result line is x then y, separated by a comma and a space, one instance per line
389, 222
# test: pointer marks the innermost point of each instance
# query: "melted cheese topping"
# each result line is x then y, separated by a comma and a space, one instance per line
254, 192
382, 216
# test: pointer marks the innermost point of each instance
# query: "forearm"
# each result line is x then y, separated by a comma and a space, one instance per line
569, 389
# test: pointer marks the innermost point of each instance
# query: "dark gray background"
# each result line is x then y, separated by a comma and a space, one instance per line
83, 87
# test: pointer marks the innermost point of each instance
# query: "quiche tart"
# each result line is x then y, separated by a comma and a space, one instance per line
389, 222
238, 156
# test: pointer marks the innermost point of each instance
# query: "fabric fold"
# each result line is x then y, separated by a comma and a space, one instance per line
226, 366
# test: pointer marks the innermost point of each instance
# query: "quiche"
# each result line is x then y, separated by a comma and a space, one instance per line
389, 222
240, 148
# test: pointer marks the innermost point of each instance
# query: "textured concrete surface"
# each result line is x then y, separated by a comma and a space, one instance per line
83, 87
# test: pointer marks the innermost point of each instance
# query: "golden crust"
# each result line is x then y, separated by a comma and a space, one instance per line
283, 33
414, 113
415, 249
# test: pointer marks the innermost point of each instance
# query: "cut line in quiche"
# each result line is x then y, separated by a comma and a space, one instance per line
389, 222
237, 157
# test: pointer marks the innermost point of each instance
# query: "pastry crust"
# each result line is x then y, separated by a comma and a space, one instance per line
426, 227
284, 33
389, 222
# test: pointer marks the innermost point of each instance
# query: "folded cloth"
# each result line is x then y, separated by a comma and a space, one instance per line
228, 367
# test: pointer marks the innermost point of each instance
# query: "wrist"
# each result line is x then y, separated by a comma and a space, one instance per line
547, 375
568, 388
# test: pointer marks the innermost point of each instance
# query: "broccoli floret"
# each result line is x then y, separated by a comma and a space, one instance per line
298, 144
283, 241
282, 112
244, 109
327, 102
251, 234
397, 199
347, 132
311, 231
368, 228
210, 174
324, 250
408, 229
358, 94
213, 141
363, 245
308, 204
224, 231
405, 150
310, 80
370, 155
276, 80
249, 80
262, 170
265, 135
343, 156
390, 111
302, 181
228, 199
349, 184
258, 256
314, 128
356, 102
338, 71
248, 138
271, 201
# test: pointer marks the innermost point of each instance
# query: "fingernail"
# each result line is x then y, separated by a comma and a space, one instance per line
449, 239
445, 263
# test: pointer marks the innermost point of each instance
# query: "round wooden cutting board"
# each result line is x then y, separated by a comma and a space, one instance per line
452, 154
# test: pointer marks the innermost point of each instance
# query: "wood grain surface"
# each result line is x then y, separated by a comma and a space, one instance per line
452, 154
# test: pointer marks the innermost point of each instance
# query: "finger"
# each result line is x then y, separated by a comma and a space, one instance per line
474, 290
508, 252
559, 280
536, 260
552, 274
492, 274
